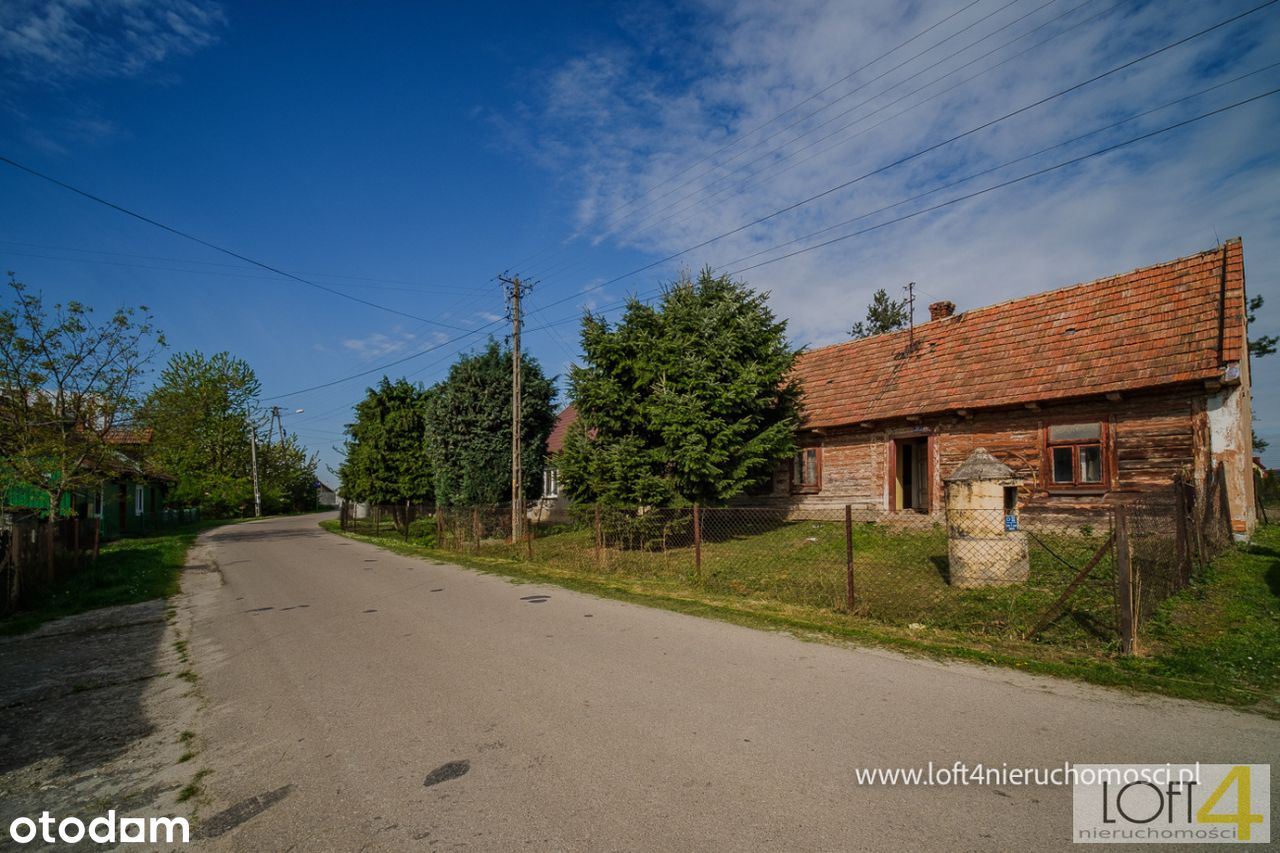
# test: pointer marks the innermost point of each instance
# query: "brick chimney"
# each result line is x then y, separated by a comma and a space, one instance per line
941, 310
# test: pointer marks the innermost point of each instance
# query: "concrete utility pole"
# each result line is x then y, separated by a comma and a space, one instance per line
517, 473
253, 455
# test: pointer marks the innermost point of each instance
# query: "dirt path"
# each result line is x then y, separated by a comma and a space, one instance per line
97, 712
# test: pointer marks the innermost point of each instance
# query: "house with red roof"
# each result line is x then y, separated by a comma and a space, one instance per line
553, 507
1091, 393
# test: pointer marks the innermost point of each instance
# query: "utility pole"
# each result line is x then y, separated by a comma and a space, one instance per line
253, 454
517, 474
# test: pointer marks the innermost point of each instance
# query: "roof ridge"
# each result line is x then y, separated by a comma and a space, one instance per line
1054, 290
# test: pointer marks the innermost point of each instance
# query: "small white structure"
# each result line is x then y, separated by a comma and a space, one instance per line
985, 546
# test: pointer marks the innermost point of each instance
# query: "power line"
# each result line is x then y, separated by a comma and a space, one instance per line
613, 216
849, 94
746, 134
382, 367
210, 272
998, 167
921, 152
414, 286
1012, 181
899, 219
687, 209
186, 236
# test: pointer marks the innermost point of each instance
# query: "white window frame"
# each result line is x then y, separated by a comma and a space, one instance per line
139, 500
550, 482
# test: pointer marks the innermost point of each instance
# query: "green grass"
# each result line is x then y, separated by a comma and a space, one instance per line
1218, 641
194, 787
127, 571
1226, 627
900, 571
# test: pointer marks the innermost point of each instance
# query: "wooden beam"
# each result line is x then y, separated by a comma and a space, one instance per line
964, 413
1115, 396
866, 424
915, 419
1035, 407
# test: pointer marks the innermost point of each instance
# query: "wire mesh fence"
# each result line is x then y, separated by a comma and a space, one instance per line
1088, 581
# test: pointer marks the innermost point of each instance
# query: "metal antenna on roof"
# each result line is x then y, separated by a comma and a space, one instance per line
911, 315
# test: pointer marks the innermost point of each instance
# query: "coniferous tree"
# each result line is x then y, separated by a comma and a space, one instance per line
691, 400
883, 315
387, 460
468, 425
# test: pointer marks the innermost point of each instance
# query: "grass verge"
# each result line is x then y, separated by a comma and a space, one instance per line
127, 571
1217, 641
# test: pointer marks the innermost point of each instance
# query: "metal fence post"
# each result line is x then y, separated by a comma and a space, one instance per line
697, 540
850, 595
1125, 585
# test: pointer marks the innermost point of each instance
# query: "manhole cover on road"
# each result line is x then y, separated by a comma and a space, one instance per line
445, 772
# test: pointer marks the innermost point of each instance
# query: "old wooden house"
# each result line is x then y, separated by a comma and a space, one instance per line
1090, 393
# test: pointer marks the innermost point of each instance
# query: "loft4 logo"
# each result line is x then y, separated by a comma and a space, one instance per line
1172, 803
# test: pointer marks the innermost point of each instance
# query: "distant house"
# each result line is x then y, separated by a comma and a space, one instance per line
553, 506
326, 497
134, 494
131, 497
1091, 393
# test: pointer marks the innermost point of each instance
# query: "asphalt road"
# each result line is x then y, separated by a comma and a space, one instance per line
341, 679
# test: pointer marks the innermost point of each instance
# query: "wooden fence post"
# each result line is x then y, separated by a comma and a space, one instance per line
1125, 585
475, 526
697, 541
850, 595
1183, 547
596, 530
48, 544
15, 556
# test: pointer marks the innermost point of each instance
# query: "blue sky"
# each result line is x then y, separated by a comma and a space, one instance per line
405, 154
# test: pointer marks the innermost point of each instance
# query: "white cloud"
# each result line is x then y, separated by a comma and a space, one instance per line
642, 135
380, 345
59, 41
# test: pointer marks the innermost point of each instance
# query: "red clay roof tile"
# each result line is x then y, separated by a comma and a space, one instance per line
1174, 322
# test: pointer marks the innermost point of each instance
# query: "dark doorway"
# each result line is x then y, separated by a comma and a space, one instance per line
911, 480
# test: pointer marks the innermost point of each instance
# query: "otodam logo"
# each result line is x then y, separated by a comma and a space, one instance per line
1175, 804
107, 829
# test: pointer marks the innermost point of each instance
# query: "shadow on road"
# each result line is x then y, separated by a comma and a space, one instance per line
71, 691
264, 533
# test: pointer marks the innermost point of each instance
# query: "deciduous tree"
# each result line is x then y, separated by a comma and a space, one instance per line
68, 381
